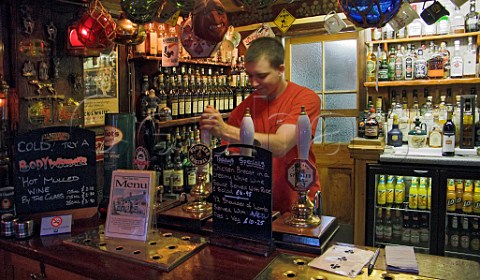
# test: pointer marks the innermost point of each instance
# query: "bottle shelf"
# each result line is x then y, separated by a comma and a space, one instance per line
184, 121
181, 60
463, 215
433, 82
406, 209
426, 38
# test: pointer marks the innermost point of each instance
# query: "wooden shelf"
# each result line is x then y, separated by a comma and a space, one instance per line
185, 121
189, 61
427, 38
438, 82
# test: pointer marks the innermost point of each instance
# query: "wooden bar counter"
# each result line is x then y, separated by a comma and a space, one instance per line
50, 257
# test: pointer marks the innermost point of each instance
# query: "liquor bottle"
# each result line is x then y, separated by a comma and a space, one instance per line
443, 25
451, 195
388, 226
188, 96
468, 197
409, 61
445, 54
371, 126
435, 136
415, 28
140, 49
413, 194
456, 62
403, 120
476, 197
406, 233
459, 195
181, 94
455, 233
161, 33
382, 65
457, 21
361, 124
470, 59
193, 89
379, 233
394, 137
475, 235
415, 109
380, 116
465, 234
167, 172
151, 40
190, 169
400, 191
467, 127
425, 106
471, 19
457, 113
381, 191
399, 65
417, 137
420, 66
435, 64
391, 64
422, 196
371, 64
448, 145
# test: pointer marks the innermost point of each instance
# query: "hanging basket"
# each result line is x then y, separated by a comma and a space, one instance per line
370, 13
96, 29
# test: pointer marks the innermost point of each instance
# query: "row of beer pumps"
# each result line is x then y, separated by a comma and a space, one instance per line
301, 173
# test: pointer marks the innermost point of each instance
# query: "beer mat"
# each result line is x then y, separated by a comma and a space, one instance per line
343, 260
401, 259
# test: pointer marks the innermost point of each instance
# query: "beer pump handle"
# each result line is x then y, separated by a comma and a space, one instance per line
304, 134
247, 131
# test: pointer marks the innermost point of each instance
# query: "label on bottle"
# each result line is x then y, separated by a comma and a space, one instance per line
167, 173
177, 180
408, 68
371, 65
456, 67
421, 70
371, 131
469, 63
448, 143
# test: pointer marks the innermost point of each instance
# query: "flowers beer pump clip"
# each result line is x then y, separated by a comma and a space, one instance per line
301, 176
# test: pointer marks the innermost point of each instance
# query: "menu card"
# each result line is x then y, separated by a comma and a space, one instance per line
401, 259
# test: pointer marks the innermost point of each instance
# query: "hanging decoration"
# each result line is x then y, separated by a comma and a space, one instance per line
140, 11
168, 10
210, 20
96, 29
129, 33
370, 13
194, 45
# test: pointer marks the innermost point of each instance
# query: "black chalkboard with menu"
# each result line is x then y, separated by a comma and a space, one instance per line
55, 169
242, 193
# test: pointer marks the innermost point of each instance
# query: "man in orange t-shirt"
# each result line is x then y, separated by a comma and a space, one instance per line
274, 106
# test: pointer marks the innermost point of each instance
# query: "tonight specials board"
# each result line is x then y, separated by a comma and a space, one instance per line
55, 169
242, 194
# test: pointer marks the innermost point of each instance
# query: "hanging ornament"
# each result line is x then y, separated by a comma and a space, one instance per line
129, 33
210, 20
195, 46
140, 11
167, 11
370, 13
96, 29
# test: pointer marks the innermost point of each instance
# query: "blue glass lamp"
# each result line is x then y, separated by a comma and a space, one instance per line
370, 13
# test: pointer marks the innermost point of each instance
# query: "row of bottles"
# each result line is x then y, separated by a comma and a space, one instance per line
459, 21
402, 227
425, 122
394, 192
187, 92
433, 62
463, 196
462, 234
169, 157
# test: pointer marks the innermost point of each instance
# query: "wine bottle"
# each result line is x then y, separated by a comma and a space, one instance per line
448, 147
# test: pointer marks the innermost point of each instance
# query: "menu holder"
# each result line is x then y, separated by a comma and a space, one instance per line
55, 172
242, 199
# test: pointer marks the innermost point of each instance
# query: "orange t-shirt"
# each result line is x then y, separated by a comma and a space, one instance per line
268, 116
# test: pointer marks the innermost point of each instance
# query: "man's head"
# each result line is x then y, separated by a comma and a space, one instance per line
266, 47
264, 67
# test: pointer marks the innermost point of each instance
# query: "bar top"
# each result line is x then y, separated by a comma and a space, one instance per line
404, 154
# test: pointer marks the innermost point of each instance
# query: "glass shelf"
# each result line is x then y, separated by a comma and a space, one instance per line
181, 60
437, 82
426, 38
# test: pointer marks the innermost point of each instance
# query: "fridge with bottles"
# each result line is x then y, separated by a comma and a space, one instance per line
409, 204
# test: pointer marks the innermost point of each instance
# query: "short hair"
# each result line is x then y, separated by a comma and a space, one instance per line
266, 47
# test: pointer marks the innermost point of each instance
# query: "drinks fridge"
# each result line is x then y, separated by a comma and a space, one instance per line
434, 208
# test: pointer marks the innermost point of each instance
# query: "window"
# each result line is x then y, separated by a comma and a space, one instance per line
327, 64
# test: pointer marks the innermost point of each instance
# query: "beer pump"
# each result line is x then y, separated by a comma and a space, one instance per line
301, 176
200, 155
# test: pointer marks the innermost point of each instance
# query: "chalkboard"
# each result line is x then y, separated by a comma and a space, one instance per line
55, 169
242, 193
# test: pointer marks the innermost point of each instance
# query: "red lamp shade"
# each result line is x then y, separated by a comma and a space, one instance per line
96, 29
75, 47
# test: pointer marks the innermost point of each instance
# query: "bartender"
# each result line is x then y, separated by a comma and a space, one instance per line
274, 106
